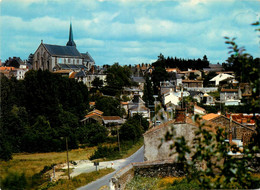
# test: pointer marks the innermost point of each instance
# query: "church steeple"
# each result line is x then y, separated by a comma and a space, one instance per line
71, 42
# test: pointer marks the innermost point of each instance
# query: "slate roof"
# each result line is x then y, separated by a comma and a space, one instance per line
138, 79
71, 66
87, 57
80, 74
56, 50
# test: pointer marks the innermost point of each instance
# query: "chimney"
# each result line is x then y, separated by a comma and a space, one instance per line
180, 116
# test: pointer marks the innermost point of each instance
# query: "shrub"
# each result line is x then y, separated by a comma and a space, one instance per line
14, 181
104, 151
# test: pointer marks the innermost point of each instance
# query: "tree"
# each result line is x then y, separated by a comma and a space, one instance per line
109, 105
159, 75
133, 128
148, 92
93, 134
118, 77
97, 83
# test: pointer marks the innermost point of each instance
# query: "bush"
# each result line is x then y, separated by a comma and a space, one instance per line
93, 134
105, 152
14, 181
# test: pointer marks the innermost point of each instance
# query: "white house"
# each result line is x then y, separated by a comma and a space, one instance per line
221, 77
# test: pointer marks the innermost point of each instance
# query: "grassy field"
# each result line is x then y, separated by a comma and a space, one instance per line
31, 164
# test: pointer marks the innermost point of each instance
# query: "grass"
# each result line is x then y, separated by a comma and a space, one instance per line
152, 183
127, 149
77, 181
167, 183
31, 164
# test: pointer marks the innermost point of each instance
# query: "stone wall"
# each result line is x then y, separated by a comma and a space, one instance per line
145, 169
158, 169
238, 130
155, 147
122, 177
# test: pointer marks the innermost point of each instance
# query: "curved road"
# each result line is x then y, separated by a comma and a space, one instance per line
138, 156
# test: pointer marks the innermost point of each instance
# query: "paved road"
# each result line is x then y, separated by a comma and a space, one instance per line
138, 156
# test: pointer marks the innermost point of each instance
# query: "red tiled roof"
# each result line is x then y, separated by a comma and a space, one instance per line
92, 103
112, 118
210, 116
92, 114
6, 68
229, 90
97, 112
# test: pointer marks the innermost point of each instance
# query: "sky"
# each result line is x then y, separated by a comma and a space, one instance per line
130, 31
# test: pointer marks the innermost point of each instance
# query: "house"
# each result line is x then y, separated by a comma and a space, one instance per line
18, 73
170, 97
140, 81
197, 95
137, 106
208, 99
230, 96
187, 74
95, 72
96, 116
235, 130
199, 110
155, 146
192, 83
243, 118
15, 62
221, 77
56, 57
213, 68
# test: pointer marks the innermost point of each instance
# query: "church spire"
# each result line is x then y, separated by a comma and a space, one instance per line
71, 42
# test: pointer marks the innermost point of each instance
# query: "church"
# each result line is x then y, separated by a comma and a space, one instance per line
57, 57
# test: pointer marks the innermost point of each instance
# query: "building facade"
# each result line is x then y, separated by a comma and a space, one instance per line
57, 57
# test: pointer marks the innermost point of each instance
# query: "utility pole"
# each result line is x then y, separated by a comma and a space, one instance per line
118, 138
68, 157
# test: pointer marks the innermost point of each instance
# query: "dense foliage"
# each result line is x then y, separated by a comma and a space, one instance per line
182, 64
133, 128
109, 105
37, 111
92, 134
117, 78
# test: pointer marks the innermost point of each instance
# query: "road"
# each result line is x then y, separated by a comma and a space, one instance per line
138, 156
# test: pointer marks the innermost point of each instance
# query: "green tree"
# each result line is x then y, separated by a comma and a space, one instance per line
159, 75
93, 134
117, 77
97, 83
109, 105
148, 92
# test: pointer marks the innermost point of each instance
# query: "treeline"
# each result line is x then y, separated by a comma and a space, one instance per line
182, 64
37, 113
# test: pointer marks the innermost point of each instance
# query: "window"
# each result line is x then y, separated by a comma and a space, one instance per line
77, 61
60, 60
68, 60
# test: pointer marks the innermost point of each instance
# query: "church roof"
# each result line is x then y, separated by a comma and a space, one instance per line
87, 57
57, 50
